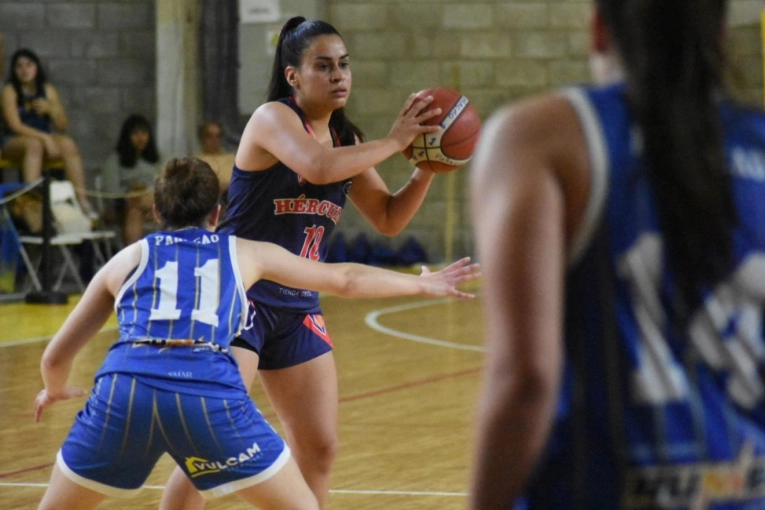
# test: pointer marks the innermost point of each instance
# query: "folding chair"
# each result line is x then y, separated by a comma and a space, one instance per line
62, 242
70, 218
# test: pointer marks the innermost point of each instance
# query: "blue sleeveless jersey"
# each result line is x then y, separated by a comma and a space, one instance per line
278, 206
652, 413
179, 311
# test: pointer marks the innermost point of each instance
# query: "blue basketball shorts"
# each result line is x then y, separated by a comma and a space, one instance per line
223, 445
283, 338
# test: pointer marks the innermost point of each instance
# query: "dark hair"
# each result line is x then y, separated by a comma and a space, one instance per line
297, 35
202, 129
185, 193
40, 80
127, 153
674, 60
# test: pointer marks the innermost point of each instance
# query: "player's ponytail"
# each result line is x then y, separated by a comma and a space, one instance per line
278, 87
673, 57
296, 35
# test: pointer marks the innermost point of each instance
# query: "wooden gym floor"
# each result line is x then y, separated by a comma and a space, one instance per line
409, 373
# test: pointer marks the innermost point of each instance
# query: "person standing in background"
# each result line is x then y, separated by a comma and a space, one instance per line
211, 138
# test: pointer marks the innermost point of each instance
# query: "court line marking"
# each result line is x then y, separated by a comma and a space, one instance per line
25, 470
371, 320
409, 385
273, 416
332, 491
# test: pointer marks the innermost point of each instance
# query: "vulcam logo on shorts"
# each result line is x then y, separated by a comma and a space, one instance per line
303, 205
689, 484
197, 466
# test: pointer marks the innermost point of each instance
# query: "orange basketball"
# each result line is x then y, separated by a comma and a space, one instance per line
452, 146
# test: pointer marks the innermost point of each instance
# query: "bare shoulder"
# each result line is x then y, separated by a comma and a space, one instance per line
274, 112
8, 90
531, 129
119, 267
539, 134
51, 91
269, 120
539, 120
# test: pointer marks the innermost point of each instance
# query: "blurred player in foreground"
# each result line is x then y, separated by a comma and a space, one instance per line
622, 232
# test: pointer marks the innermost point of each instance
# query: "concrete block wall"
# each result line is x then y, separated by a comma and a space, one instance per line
100, 56
494, 51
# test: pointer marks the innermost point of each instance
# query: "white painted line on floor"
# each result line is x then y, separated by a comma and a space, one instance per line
332, 491
371, 321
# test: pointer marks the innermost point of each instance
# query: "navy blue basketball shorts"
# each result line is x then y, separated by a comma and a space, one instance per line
223, 445
284, 339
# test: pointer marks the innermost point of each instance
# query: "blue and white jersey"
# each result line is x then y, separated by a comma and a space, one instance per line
278, 206
178, 313
654, 413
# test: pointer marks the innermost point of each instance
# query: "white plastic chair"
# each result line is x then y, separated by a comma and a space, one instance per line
69, 218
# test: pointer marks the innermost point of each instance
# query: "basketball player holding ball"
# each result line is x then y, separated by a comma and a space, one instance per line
298, 160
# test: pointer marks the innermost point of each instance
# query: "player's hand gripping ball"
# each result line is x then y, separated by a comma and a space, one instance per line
452, 146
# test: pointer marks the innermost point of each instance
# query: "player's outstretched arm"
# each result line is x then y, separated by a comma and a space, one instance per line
270, 262
87, 319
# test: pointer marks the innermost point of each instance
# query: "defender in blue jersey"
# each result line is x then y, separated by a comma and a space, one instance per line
623, 231
169, 384
299, 160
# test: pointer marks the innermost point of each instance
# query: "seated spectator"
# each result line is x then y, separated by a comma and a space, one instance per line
211, 140
131, 170
35, 123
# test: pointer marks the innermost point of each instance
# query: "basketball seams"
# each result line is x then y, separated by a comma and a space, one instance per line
432, 151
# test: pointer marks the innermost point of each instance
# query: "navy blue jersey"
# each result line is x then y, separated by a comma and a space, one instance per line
655, 413
279, 206
178, 313
29, 117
